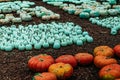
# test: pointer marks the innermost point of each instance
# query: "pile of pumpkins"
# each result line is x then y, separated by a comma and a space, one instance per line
61, 1
25, 10
42, 35
89, 9
108, 22
105, 60
59, 68
62, 67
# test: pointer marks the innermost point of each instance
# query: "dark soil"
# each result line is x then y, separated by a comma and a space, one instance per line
13, 65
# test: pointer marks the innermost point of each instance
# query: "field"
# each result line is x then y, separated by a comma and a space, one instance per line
13, 64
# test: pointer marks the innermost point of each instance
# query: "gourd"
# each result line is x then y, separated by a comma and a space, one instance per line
94, 13
2, 16
101, 61
103, 51
4, 21
6, 10
44, 76
110, 72
67, 59
40, 63
45, 17
40, 14
84, 15
26, 17
61, 70
112, 11
9, 17
16, 20
103, 12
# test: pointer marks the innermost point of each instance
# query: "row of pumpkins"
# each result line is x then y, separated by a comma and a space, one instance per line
63, 66
108, 22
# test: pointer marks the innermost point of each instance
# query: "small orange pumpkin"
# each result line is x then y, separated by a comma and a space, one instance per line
84, 58
104, 51
101, 61
110, 72
40, 63
44, 76
61, 70
67, 59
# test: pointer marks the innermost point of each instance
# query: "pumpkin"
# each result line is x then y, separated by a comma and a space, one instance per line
110, 72
103, 51
61, 70
40, 62
44, 76
117, 50
67, 59
101, 61
84, 58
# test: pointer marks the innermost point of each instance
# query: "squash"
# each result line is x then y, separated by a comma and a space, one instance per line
44, 76
61, 70
40, 62
101, 61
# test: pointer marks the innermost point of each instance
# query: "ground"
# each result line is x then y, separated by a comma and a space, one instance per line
13, 65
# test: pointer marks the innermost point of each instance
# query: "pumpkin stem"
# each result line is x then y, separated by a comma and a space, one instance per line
60, 66
40, 59
108, 70
107, 57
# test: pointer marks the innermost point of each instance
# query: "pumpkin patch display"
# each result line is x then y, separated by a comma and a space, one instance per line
117, 50
103, 51
84, 58
61, 70
110, 72
67, 59
44, 76
101, 61
40, 63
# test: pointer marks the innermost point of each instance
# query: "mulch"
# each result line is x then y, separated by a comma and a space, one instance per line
13, 65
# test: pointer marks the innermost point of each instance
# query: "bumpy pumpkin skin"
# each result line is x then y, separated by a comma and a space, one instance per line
104, 51
45, 76
101, 61
61, 70
84, 58
110, 72
117, 50
67, 59
40, 63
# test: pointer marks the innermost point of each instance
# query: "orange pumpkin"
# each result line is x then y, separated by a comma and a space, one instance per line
45, 76
40, 62
67, 59
84, 58
110, 72
61, 70
117, 79
117, 50
101, 61
104, 51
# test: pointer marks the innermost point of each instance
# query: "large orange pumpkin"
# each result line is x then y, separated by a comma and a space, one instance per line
45, 76
103, 51
61, 70
101, 61
40, 62
67, 59
110, 72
